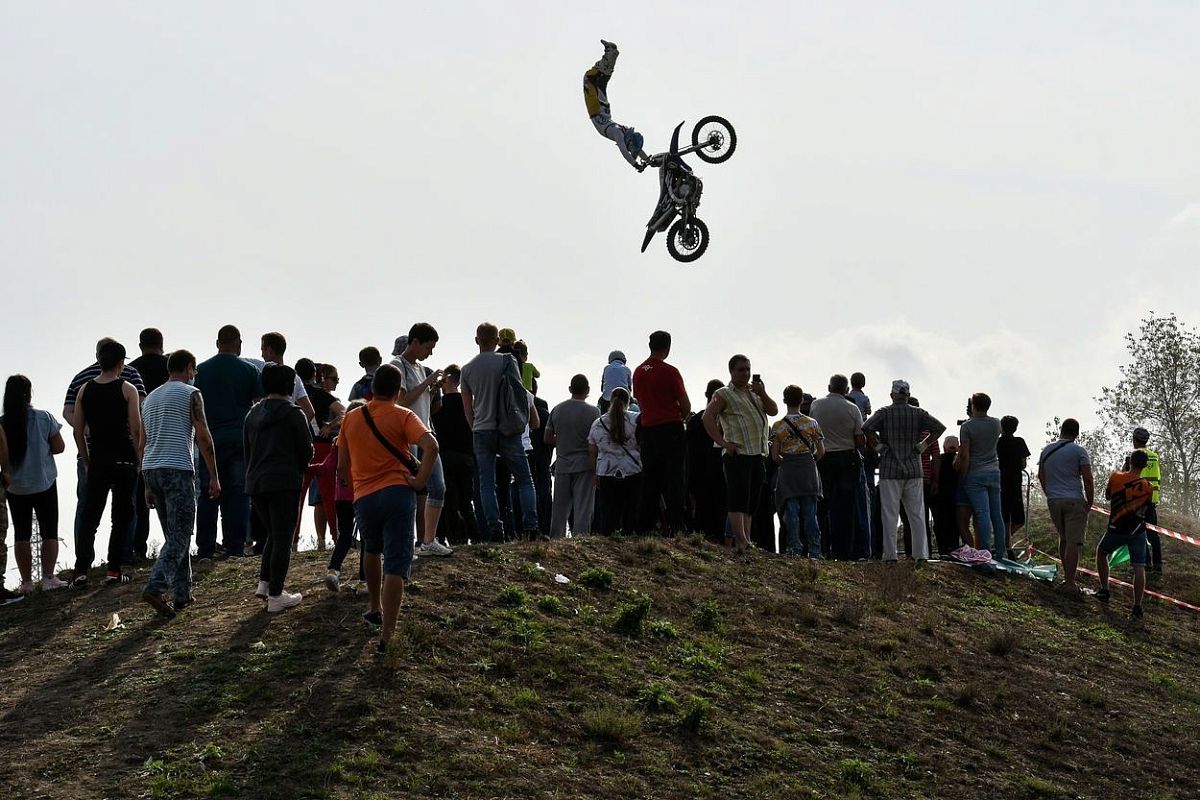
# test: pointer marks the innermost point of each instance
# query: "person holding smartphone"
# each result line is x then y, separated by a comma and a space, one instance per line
741, 407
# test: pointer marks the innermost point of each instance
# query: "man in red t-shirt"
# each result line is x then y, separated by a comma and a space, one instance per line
664, 405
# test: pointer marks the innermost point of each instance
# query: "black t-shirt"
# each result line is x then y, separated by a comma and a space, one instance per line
1011, 451
153, 369
107, 415
322, 401
450, 425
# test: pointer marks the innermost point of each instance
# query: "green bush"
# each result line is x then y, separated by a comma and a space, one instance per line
708, 616
611, 725
597, 578
513, 596
550, 604
655, 697
631, 615
696, 716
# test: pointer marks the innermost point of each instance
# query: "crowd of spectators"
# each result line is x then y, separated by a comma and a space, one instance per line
418, 460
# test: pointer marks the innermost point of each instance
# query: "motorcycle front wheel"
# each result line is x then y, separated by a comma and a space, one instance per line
717, 137
687, 240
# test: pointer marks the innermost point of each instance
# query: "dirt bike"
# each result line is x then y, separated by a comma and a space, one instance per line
714, 141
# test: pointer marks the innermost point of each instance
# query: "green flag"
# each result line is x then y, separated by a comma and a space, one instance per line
1119, 556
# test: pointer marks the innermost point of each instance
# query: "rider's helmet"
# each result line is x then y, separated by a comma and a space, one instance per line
633, 141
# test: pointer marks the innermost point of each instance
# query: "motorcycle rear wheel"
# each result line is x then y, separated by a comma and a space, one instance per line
687, 241
720, 135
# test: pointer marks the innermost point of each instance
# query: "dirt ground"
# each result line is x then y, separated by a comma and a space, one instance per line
663, 669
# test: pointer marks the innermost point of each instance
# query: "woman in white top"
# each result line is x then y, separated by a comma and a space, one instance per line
618, 465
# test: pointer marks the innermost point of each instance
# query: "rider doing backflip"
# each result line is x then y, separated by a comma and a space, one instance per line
595, 96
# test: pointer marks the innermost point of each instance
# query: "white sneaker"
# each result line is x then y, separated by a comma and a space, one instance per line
52, 583
283, 601
263, 590
333, 581
434, 548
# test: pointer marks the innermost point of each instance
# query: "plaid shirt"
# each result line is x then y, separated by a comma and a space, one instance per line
900, 428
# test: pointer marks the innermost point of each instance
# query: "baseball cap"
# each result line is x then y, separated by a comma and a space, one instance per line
900, 387
508, 336
616, 355
401, 343
1140, 434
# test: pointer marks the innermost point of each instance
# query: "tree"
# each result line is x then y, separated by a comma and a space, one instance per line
1160, 391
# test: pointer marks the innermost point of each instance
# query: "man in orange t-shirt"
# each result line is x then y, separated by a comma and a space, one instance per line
1129, 496
375, 461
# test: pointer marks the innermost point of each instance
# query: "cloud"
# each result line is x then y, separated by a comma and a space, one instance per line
1186, 220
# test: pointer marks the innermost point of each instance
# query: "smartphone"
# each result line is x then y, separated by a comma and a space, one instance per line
756, 378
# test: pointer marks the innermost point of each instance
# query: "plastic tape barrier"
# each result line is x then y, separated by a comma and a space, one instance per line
1164, 597
1183, 537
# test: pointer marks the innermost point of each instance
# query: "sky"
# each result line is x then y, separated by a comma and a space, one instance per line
969, 196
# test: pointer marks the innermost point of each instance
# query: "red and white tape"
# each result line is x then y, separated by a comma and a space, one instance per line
1183, 537
1164, 597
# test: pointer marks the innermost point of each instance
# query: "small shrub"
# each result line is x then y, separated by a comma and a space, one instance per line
631, 615
888, 646
663, 629
525, 698
698, 662
550, 604
656, 698
966, 695
1092, 697
849, 614
531, 634
488, 553
611, 725
1036, 787
1058, 729
753, 677
856, 772
708, 616
696, 716
649, 545
1001, 643
597, 578
513, 596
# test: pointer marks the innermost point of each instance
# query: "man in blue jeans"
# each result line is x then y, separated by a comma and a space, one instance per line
376, 462
979, 467
480, 386
173, 416
229, 387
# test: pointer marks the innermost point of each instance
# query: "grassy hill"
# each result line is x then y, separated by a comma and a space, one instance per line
663, 669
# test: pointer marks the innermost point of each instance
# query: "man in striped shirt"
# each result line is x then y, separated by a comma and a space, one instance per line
173, 415
900, 433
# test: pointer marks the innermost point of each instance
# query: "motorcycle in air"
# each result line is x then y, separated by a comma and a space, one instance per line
713, 140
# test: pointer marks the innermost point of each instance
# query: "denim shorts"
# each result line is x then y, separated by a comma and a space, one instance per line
387, 522
1113, 541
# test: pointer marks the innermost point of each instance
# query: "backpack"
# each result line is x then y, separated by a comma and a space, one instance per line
512, 403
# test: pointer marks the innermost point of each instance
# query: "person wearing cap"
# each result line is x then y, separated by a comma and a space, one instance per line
900, 433
1065, 475
616, 374
574, 476
1153, 473
108, 433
